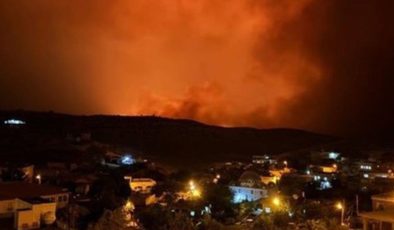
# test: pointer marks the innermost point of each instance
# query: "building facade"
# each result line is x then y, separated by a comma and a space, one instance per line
382, 215
247, 194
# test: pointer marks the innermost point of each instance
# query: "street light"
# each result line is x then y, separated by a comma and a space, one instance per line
196, 193
38, 178
276, 201
216, 179
192, 185
194, 190
341, 206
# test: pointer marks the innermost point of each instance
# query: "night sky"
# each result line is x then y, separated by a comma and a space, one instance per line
321, 65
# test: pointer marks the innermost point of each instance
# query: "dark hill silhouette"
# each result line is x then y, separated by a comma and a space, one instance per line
177, 142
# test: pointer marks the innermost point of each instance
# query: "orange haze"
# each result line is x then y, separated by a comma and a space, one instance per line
233, 62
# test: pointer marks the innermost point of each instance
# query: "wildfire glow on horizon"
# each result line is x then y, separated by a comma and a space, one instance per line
238, 62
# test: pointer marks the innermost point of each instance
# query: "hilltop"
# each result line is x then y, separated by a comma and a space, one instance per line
176, 142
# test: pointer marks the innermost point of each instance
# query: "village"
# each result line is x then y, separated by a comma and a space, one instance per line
106, 188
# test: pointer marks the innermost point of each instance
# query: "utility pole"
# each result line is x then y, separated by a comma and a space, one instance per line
343, 213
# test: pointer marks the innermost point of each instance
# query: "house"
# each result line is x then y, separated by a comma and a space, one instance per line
79, 137
24, 190
324, 168
30, 205
62, 165
382, 215
83, 184
269, 180
142, 185
26, 170
383, 201
363, 166
115, 160
249, 188
274, 176
326, 155
243, 193
14, 122
28, 213
263, 159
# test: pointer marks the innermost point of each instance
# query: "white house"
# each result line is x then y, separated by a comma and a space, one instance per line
249, 188
241, 193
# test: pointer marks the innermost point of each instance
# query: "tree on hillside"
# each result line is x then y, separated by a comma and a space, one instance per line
219, 198
209, 223
117, 219
110, 191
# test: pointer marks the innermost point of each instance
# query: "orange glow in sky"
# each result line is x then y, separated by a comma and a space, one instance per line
262, 63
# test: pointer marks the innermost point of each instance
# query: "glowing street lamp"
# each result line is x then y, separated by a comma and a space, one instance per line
216, 179
340, 206
285, 163
196, 193
276, 201
194, 190
38, 178
192, 185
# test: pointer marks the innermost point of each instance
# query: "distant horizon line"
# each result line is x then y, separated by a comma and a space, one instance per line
159, 116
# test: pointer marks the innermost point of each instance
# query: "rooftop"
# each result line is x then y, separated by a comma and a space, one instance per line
22, 190
389, 196
37, 200
142, 180
384, 215
6, 198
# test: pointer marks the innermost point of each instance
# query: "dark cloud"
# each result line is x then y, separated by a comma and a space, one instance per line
353, 46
